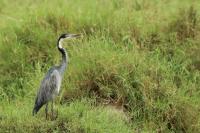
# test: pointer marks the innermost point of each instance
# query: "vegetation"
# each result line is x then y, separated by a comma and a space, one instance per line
137, 68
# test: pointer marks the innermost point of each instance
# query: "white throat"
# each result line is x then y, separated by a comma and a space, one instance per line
60, 43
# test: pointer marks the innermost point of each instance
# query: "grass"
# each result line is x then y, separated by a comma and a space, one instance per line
135, 70
78, 116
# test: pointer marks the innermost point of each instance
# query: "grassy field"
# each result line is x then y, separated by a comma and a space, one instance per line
136, 69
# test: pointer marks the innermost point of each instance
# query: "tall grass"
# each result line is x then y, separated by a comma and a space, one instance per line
136, 68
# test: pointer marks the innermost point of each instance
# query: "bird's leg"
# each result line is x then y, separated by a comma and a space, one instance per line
52, 108
57, 114
46, 110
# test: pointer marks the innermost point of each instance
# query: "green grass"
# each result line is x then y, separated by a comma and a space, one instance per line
78, 116
136, 69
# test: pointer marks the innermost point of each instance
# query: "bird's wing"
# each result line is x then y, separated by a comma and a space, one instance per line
49, 84
47, 88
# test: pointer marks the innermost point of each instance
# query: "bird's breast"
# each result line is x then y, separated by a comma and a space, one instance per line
58, 85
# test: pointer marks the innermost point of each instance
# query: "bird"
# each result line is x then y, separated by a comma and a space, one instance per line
51, 83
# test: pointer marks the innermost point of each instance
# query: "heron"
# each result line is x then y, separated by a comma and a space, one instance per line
51, 83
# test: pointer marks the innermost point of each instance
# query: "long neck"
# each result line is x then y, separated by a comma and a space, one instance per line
64, 61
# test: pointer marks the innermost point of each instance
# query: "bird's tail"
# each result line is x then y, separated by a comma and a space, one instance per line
35, 110
37, 107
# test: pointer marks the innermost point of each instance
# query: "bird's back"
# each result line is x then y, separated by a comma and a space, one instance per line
49, 88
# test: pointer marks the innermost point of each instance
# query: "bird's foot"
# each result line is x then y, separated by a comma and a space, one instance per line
54, 115
48, 116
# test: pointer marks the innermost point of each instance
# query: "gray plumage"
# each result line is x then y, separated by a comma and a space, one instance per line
50, 85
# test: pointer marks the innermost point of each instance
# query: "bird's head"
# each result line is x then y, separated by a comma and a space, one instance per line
66, 36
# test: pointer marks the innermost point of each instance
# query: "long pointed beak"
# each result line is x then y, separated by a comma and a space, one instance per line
74, 35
